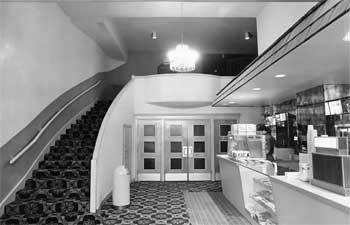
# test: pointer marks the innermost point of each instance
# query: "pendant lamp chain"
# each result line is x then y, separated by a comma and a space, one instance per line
183, 24
182, 58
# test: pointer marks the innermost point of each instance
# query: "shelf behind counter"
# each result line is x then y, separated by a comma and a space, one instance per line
295, 201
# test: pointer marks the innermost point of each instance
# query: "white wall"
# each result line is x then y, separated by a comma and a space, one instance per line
42, 55
109, 145
276, 18
185, 88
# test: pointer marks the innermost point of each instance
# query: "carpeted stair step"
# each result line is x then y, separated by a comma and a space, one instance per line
58, 192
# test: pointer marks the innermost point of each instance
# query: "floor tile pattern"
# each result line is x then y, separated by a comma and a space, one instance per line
203, 210
230, 212
155, 203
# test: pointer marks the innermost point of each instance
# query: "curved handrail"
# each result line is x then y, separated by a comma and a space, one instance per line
20, 153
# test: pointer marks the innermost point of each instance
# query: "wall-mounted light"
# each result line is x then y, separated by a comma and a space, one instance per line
248, 35
280, 76
154, 35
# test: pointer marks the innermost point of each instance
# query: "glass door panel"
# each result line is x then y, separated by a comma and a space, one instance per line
199, 150
221, 129
175, 150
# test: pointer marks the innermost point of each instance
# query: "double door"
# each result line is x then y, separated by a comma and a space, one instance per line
187, 150
174, 150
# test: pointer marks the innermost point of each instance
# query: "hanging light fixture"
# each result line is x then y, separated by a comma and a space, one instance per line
182, 58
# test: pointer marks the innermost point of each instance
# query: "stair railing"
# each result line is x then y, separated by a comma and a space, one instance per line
48, 123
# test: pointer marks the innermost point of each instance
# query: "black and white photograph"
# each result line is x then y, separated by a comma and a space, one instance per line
174, 112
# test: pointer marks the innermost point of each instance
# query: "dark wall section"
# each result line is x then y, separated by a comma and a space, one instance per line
138, 64
147, 63
217, 64
11, 174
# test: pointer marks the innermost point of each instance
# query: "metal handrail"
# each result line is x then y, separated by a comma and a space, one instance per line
37, 136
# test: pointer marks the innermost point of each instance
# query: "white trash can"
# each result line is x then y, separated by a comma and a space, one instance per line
121, 187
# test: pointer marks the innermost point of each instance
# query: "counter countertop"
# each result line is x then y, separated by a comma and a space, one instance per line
257, 165
322, 194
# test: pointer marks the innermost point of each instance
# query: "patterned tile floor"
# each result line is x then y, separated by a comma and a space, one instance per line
157, 203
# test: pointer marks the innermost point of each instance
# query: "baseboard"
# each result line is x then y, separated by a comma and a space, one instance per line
11, 195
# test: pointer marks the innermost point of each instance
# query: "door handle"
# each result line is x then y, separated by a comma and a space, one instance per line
190, 151
184, 151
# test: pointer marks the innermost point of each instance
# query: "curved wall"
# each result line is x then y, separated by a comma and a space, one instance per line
42, 55
45, 61
171, 90
109, 145
140, 97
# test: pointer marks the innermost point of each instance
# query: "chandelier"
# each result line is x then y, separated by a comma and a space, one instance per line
182, 58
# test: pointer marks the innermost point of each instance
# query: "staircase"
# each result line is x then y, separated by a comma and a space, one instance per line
59, 191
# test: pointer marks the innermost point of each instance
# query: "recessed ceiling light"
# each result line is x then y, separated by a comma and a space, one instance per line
256, 89
231, 102
347, 36
280, 75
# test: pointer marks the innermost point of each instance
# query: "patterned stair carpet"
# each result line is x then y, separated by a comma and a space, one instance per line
156, 203
58, 192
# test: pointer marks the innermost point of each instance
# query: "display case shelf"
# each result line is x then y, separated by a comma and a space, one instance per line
260, 216
264, 182
266, 203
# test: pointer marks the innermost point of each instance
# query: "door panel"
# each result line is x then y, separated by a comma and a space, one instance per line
192, 137
221, 128
149, 152
175, 150
199, 149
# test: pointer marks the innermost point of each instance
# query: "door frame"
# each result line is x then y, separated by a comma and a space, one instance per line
217, 123
162, 118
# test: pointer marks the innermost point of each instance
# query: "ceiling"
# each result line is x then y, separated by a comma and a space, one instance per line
209, 35
324, 59
210, 26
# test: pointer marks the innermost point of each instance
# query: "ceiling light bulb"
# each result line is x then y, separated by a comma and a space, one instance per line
154, 35
347, 36
256, 89
247, 35
280, 75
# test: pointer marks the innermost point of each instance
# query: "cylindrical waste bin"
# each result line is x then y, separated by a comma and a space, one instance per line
121, 187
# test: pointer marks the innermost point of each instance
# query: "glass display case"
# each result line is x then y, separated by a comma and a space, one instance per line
262, 209
257, 190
